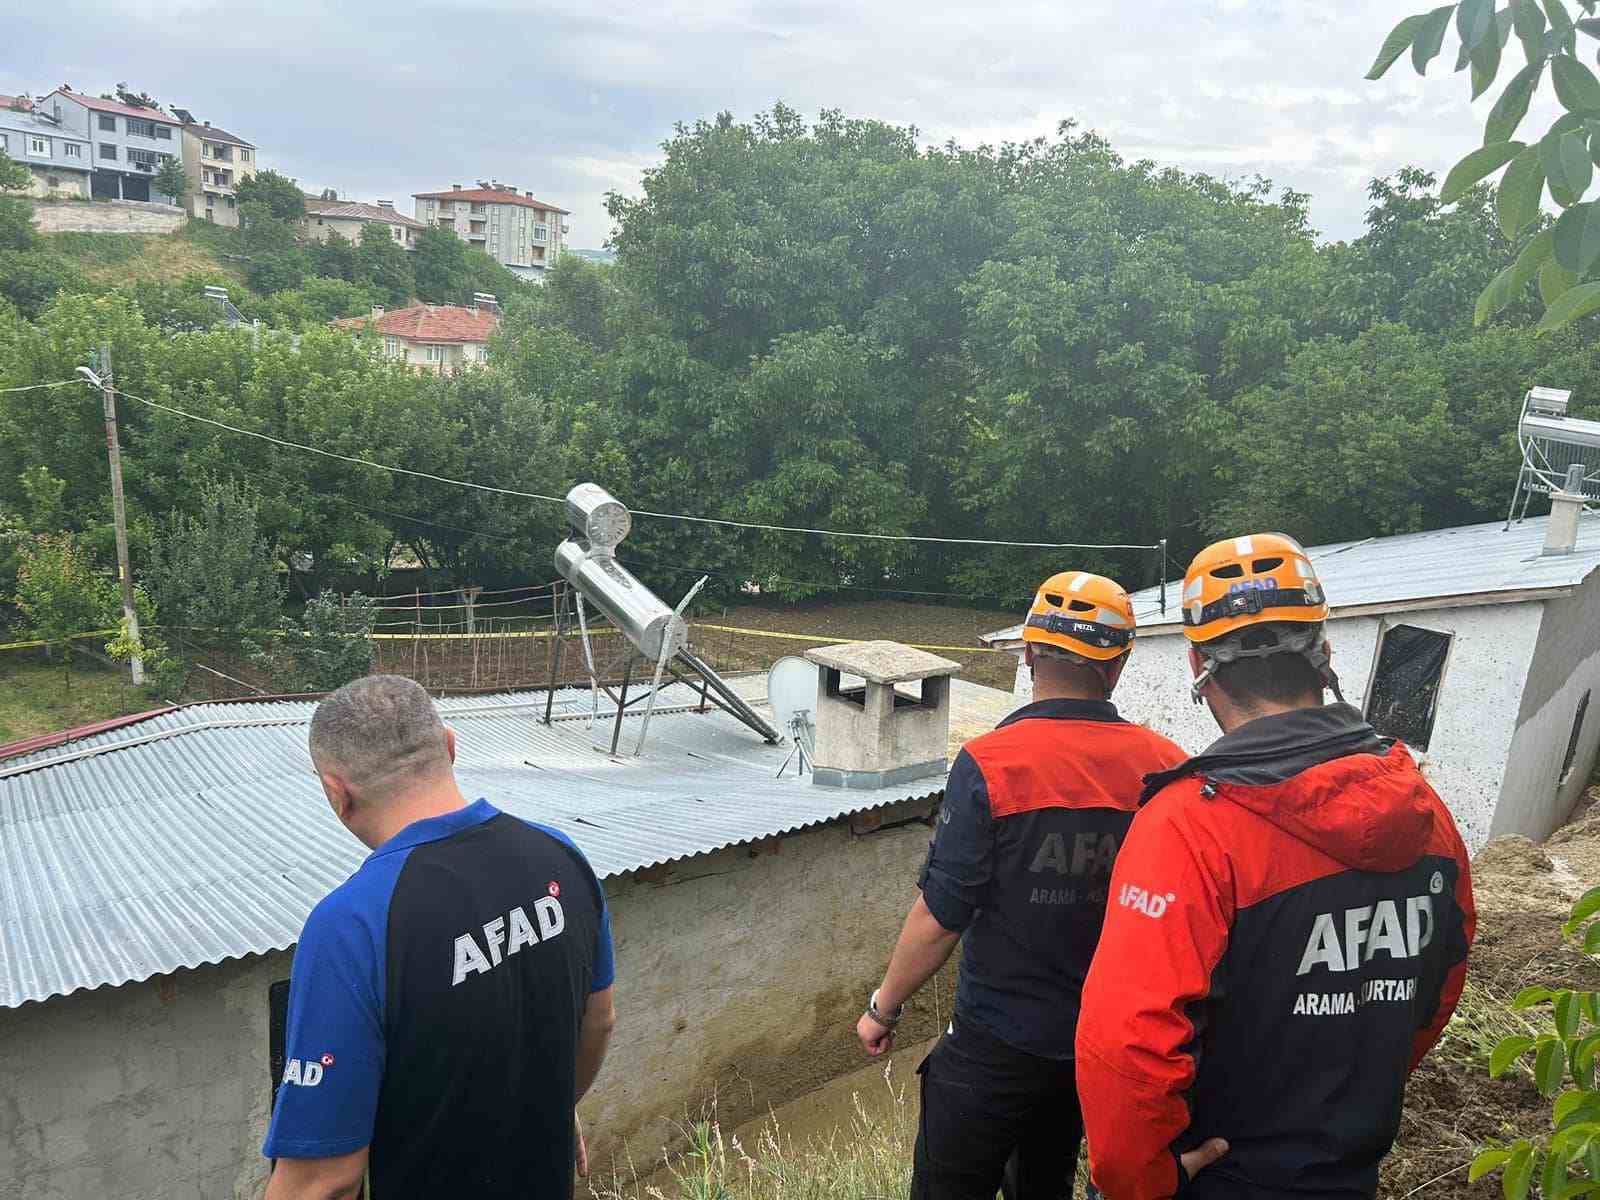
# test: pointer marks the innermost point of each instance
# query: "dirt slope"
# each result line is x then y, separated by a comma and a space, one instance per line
1524, 892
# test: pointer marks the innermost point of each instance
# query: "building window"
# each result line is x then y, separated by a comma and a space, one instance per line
107, 150
139, 127
211, 215
1404, 694
391, 347
1571, 758
39, 146
541, 233
52, 181
205, 149
109, 124
434, 354
5, 142
163, 133
72, 149
143, 158
229, 199
244, 154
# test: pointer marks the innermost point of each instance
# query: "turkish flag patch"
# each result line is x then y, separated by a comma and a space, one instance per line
327, 1060
555, 888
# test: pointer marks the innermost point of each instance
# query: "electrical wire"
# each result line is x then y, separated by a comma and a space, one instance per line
34, 387
638, 512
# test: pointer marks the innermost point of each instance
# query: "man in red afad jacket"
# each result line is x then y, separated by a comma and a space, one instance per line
1021, 859
1288, 926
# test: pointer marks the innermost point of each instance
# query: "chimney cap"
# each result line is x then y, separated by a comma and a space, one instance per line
883, 661
455, 187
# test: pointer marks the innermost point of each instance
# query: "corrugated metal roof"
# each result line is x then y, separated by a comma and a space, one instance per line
201, 834
1468, 560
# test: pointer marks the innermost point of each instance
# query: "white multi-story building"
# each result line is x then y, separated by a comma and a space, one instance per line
348, 218
58, 163
130, 143
524, 235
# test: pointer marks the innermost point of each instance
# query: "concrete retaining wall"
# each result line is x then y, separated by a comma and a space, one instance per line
739, 977
107, 216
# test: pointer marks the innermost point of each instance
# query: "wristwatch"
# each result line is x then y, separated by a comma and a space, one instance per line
887, 1020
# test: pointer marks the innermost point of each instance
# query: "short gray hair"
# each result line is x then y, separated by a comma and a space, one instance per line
377, 727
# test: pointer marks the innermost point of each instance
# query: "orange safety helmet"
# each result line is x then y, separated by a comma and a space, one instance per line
1086, 615
1250, 580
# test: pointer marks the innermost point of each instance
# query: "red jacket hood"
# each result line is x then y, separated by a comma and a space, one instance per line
1369, 811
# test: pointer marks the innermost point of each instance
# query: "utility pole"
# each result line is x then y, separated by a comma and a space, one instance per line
119, 512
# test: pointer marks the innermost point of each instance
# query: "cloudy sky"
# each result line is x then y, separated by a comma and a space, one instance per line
380, 100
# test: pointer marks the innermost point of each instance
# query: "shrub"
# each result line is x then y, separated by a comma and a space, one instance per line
1565, 1051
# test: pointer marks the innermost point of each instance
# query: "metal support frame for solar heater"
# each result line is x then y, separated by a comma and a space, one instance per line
1537, 474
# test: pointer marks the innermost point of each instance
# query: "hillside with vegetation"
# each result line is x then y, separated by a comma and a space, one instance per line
815, 324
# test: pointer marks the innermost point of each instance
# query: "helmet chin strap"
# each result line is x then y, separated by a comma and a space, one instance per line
1309, 644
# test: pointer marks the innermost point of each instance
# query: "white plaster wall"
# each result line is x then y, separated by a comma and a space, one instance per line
740, 975
1478, 698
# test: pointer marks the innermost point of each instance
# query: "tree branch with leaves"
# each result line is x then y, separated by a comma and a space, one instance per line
1562, 256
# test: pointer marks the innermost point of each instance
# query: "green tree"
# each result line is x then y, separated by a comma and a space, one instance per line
272, 246
281, 196
16, 213
1561, 160
440, 263
329, 646
61, 595
334, 258
208, 569
171, 181
383, 265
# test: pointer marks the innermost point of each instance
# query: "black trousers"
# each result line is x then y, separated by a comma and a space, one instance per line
995, 1119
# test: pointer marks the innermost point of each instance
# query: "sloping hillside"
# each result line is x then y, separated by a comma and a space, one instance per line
120, 259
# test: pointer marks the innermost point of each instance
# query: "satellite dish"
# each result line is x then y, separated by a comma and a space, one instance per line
791, 689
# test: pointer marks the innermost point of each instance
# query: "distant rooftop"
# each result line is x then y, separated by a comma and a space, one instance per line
16, 103
430, 323
200, 834
215, 133
352, 210
490, 196
1485, 563
116, 106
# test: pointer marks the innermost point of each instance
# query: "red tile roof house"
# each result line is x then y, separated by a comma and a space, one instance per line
433, 337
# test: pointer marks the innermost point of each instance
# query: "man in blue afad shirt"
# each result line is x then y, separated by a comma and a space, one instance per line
451, 1001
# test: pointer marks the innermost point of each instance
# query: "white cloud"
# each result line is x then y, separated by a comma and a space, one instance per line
571, 102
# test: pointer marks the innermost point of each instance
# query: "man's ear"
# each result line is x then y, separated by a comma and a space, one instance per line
339, 794
450, 743
1114, 672
1027, 654
1196, 663
1327, 650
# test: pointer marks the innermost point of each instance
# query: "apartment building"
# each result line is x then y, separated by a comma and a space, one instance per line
524, 235
442, 338
215, 163
58, 162
130, 143
348, 217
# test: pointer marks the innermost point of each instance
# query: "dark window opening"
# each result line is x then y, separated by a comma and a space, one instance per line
856, 695
108, 123
1266, 564
1081, 606
1571, 758
1052, 598
1227, 571
1404, 696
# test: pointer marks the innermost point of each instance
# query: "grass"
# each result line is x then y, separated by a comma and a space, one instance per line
868, 1159
40, 697
124, 258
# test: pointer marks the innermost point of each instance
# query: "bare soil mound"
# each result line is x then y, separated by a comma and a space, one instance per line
1524, 892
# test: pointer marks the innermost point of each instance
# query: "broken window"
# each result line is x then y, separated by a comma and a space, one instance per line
1571, 759
1404, 695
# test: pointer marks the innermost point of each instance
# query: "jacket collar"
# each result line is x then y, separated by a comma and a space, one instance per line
434, 829
1066, 710
1272, 749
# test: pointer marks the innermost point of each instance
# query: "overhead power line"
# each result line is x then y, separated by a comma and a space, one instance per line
639, 512
34, 387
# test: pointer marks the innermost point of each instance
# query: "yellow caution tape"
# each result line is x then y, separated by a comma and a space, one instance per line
818, 637
33, 645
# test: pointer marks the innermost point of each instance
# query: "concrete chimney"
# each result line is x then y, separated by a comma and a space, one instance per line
377, 311
875, 734
1566, 506
455, 187
389, 204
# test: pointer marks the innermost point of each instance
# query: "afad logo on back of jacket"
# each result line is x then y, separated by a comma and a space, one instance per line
1344, 941
1086, 859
